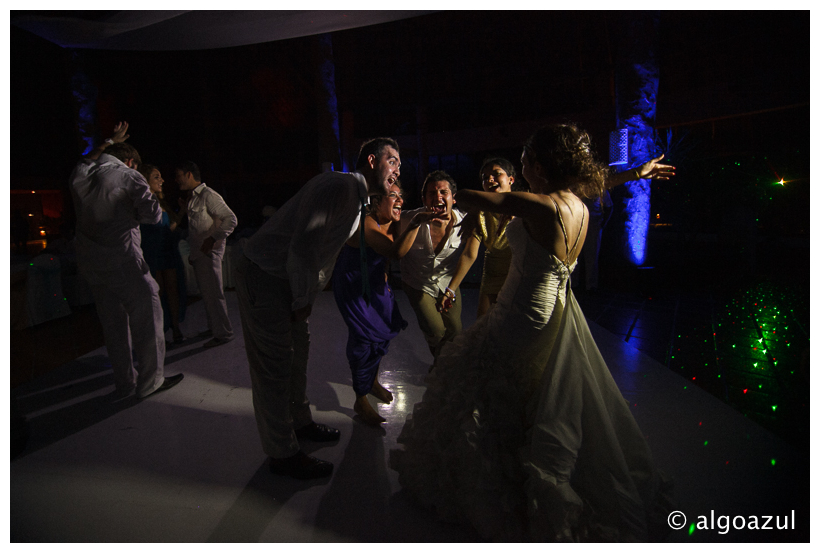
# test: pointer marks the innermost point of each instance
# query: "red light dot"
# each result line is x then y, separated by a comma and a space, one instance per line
745, 390
700, 423
693, 378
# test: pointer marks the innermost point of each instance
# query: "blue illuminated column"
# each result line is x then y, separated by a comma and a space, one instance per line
85, 95
328, 110
636, 90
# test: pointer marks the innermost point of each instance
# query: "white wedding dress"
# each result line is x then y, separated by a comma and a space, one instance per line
522, 431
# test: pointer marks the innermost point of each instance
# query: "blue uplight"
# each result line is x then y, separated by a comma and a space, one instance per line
85, 94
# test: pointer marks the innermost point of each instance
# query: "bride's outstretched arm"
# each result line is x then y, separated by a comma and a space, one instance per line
517, 204
652, 169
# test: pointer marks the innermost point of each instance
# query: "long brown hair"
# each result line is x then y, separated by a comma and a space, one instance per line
145, 170
565, 154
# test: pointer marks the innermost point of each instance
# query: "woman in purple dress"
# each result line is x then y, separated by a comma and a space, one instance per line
372, 324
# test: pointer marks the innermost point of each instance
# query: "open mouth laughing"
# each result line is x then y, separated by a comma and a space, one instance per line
439, 209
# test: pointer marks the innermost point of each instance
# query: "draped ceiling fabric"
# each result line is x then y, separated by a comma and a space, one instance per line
190, 30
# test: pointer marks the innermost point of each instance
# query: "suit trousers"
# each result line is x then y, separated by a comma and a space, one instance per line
127, 299
277, 350
208, 271
438, 328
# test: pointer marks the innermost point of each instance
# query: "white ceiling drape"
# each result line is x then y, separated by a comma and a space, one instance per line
191, 30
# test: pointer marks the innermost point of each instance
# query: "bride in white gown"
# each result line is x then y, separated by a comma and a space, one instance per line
522, 431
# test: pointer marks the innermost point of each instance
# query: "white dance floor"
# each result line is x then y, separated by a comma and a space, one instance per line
186, 465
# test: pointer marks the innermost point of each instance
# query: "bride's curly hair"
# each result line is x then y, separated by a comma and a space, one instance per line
564, 152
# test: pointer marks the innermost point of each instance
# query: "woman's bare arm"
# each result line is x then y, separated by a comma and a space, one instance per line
517, 204
465, 261
649, 170
387, 246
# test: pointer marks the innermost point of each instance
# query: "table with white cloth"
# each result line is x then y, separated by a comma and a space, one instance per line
37, 292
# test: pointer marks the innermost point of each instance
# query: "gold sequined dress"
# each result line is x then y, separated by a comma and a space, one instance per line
492, 232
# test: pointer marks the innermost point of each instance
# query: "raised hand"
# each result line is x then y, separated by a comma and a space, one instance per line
422, 217
654, 170
120, 130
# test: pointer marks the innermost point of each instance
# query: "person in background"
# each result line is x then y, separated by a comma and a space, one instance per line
111, 199
160, 248
210, 221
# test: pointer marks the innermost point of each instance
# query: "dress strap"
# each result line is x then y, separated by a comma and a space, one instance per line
580, 230
563, 229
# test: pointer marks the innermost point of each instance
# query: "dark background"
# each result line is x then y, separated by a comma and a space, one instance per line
733, 111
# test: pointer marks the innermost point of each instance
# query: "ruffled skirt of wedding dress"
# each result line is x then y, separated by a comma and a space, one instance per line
548, 453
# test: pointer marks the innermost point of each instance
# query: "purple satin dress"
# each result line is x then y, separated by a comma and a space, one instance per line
370, 327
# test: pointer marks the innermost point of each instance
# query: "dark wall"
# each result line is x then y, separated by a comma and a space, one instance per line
42, 121
733, 86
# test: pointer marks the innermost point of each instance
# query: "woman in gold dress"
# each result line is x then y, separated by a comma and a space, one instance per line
497, 175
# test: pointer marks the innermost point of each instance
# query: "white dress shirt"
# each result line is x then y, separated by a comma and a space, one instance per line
421, 268
301, 241
208, 215
111, 201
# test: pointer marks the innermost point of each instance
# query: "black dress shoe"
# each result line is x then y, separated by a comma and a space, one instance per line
301, 466
317, 433
168, 383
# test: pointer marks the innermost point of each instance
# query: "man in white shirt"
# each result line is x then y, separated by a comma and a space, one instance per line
112, 199
426, 270
285, 265
210, 221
